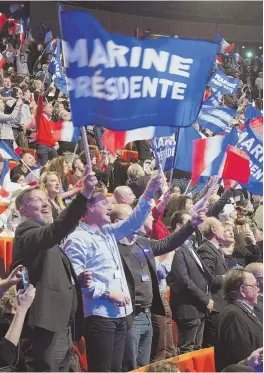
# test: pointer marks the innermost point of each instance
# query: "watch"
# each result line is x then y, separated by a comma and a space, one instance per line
107, 294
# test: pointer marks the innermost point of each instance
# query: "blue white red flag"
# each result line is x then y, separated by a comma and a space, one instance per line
6, 152
224, 46
116, 140
209, 155
184, 154
65, 131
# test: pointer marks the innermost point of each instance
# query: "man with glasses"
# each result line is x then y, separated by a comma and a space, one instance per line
239, 332
257, 270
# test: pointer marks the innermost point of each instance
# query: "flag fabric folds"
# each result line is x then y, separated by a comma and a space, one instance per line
116, 140
225, 84
164, 150
209, 155
65, 131
184, 154
224, 46
216, 119
214, 100
55, 68
2, 61
252, 144
122, 83
6, 152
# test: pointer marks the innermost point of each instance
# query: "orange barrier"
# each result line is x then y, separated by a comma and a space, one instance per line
196, 361
129, 155
6, 245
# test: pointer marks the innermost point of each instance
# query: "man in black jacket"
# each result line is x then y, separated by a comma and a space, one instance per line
257, 270
189, 297
138, 257
213, 259
239, 331
57, 306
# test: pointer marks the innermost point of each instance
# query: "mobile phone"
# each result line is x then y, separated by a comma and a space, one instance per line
25, 278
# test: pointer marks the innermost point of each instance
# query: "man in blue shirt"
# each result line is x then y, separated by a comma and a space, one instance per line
107, 302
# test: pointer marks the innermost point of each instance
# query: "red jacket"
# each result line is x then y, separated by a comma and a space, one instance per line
45, 127
159, 230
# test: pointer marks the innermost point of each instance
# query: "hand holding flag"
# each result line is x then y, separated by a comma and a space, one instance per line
200, 208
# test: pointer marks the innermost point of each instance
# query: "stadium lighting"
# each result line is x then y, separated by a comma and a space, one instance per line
243, 46
249, 54
260, 47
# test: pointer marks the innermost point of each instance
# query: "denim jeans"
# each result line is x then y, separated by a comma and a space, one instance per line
105, 342
45, 154
138, 343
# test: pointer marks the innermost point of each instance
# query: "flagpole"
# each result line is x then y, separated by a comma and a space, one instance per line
174, 159
28, 168
86, 146
188, 186
75, 150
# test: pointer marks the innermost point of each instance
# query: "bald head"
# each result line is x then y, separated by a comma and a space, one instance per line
124, 195
213, 229
120, 212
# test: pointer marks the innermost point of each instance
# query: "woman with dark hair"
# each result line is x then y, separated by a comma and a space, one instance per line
178, 204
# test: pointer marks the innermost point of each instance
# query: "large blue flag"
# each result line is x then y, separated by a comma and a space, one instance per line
216, 119
123, 83
252, 144
55, 69
184, 154
226, 84
214, 99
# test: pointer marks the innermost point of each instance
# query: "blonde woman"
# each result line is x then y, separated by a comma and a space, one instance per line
50, 183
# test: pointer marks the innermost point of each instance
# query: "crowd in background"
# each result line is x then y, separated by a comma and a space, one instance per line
104, 246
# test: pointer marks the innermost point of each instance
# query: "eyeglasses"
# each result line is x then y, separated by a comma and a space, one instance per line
252, 286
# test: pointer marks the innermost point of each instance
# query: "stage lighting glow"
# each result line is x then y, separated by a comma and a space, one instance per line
249, 54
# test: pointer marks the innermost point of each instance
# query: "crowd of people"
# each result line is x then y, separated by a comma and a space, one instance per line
143, 268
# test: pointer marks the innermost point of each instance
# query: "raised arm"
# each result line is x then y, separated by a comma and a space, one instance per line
129, 226
44, 237
177, 238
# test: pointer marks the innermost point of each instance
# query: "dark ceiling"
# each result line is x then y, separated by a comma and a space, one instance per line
224, 12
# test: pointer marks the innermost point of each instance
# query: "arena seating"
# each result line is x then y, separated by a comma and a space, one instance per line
196, 361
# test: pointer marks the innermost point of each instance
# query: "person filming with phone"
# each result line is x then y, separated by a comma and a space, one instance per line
56, 314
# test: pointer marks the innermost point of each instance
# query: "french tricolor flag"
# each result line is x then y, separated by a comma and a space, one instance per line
117, 140
32, 178
225, 47
2, 61
6, 152
217, 156
237, 57
65, 131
